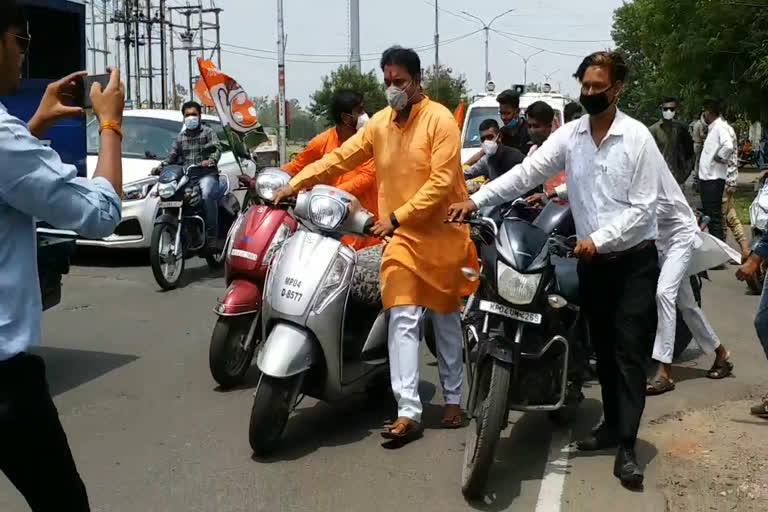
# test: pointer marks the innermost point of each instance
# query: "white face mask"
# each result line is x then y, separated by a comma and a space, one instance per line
490, 147
191, 122
668, 114
361, 120
396, 97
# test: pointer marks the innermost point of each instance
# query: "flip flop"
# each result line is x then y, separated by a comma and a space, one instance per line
720, 371
659, 385
454, 421
413, 430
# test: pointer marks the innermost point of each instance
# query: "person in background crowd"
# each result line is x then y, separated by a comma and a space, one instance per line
416, 145
497, 158
199, 145
762, 152
729, 203
35, 184
698, 130
713, 166
540, 117
348, 114
514, 133
674, 140
572, 111
749, 268
612, 166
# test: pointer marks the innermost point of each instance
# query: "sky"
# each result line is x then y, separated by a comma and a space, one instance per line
318, 41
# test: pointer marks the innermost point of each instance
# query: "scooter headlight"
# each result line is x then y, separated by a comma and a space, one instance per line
269, 180
326, 212
277, 241
166, 190
515, 287
336, 280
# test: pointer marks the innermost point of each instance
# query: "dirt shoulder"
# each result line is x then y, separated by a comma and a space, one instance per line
714, 459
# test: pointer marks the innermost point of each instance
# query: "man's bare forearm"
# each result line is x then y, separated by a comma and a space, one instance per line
110, 164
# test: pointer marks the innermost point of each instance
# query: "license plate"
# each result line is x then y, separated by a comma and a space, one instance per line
514, 314
171, 204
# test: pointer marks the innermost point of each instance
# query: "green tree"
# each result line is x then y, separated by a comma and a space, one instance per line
694, 49
303, 125
347, 77
445, 88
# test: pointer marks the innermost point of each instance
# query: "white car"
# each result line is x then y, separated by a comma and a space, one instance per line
147, 138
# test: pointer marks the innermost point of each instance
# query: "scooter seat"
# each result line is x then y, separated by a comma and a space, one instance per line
366, 281
567, 278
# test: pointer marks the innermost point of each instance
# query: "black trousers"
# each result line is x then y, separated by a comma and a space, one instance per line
711, 192
619, 301
34, 453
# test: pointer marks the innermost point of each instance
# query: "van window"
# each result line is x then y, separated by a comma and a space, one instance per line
475, 116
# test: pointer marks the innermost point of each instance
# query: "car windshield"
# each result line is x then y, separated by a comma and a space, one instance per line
146, 137
476, 116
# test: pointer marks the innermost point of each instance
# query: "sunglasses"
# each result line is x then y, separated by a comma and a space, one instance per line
23, 42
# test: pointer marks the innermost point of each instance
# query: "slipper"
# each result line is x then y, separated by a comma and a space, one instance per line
721, 370
455, 421
412, 431
659, 385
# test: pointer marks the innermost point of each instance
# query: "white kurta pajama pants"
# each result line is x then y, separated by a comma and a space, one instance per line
405, 331
674, 289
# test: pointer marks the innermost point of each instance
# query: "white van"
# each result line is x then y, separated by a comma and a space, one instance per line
485, 106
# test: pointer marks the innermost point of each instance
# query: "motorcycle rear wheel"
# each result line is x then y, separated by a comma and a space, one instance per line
272, 403
163, 235
485, 426
227, 359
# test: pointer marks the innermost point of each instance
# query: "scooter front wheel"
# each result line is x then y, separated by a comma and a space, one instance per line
231, 352
487, 422
272, 403
167, 267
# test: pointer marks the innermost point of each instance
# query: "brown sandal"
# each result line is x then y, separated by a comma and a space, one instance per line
720, 370
659, 385
454, 420
411, 431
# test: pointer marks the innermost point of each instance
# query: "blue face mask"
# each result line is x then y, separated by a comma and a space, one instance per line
191, 122
513, 123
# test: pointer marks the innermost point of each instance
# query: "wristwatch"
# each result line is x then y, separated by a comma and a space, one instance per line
393, 220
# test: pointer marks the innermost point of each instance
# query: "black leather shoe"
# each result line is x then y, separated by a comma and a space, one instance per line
626, 469
601, 439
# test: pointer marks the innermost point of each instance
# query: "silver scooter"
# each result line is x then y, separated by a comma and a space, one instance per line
321, 341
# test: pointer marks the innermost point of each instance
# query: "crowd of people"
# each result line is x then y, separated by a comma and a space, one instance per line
637, 235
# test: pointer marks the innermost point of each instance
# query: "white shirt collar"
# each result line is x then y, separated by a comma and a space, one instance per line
617, 127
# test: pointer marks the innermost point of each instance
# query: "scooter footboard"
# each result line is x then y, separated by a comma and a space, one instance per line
288, 350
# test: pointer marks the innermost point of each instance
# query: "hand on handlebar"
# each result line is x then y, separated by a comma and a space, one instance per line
585, 249
536, 199
458, 212
208, 163
283, 193
382, 228
156, 171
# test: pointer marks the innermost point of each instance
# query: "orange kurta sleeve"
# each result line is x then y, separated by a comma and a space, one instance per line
355, 151
363, 186
445, 169
312, 153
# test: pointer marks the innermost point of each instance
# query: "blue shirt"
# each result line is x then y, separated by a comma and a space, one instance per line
35, 184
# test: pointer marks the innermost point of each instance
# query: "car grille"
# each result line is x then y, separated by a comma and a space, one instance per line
130, 227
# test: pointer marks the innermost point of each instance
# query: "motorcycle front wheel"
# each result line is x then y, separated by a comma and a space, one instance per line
167, 267
272, 403
486, 424
231, 352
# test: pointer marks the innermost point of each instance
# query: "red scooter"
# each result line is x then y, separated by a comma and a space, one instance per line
255, 238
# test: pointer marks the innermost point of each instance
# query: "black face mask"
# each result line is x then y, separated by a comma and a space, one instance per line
595, 103
537, 138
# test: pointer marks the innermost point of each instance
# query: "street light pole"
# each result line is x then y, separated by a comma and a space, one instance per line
486, 30
525, 63
281, 83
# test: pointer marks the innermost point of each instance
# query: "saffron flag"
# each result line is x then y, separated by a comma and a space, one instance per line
459, 114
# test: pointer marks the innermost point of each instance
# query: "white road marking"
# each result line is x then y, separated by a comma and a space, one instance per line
553, 483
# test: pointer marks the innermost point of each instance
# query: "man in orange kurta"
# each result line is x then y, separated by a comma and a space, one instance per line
415, 144
348, 114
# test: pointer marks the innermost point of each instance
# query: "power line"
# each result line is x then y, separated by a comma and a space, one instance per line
556, 40
536, 47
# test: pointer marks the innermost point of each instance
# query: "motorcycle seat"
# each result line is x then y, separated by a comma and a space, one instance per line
366, 281
567, 278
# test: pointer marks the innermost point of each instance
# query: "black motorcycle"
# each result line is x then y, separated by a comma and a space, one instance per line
527, 353
180, 228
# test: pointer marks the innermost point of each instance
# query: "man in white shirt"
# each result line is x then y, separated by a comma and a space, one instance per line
612, 167
713, 166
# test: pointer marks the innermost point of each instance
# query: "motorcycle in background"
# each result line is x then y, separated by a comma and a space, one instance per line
255, 237
180, 229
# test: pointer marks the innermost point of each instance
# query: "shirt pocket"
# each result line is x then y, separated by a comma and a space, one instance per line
616, 182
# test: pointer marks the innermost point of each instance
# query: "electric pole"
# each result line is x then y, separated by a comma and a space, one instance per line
486, 29
281, 83
525, 64
104, 34
163, 62
437, 53
354, 33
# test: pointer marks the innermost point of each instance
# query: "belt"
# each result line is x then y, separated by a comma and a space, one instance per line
613, 256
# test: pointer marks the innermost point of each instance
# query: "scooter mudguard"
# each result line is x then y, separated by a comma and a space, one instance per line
241, 298
289, 350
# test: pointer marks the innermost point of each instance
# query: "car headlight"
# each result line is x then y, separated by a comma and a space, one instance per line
515, 287
277, 241
138, 189
166, 190
326, 212
267, 182
334, 281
